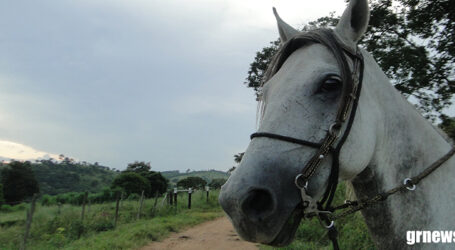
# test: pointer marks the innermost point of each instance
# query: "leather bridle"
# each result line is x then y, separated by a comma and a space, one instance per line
346, 112
345, 115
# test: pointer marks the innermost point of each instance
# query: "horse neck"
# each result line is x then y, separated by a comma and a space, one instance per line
406, 144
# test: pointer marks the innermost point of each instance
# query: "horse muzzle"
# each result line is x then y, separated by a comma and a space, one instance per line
258, 215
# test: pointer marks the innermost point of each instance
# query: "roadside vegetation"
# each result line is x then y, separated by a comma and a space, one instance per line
55, 227
352, 232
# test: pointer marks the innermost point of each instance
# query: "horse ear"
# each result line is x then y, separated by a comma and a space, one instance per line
353, 22
285, 30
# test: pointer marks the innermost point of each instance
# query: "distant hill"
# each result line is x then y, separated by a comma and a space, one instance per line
175, 176
67, 176
56, 177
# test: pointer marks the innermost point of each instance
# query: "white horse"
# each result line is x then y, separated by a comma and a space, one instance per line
388, 142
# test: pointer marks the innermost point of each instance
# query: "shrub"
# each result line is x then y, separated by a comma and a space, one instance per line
217, 183
6, 208
76, 229
48, 200
134, 196
132, 182
192, 182
19, 207
104, 225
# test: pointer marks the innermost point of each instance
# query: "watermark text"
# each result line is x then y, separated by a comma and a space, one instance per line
416, 237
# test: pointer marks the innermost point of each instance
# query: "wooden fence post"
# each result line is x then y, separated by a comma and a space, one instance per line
175, 197
189, 198
121, 198
29, 221
139, 211
59, 208
84, 200
207, 189
171, 198
154, 204
116, 210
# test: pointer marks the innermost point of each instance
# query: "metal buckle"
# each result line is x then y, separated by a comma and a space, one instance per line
299, 182
332, 223
335, 129
405, 182
310, 207
309, 204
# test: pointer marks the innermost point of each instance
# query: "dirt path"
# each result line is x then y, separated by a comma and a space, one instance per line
217, 234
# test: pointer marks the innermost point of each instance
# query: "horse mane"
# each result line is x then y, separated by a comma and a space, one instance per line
325, 37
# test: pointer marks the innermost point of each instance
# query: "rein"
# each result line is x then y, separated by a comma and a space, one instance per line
322, 209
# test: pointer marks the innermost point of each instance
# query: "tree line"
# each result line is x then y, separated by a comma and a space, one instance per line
18, 183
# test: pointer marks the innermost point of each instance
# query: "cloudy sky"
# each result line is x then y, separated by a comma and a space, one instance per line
118, 81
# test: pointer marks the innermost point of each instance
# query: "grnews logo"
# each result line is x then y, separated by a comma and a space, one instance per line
413, 237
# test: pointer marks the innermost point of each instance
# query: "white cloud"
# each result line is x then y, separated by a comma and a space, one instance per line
17, 151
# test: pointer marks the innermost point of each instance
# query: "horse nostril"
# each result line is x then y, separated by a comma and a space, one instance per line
258, 204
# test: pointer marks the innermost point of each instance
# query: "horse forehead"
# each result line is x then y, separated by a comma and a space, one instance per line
313, 56
289, 96
304, 64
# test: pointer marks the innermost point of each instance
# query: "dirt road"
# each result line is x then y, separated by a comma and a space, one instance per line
217, 235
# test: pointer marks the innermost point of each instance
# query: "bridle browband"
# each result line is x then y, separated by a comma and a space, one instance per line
352, 84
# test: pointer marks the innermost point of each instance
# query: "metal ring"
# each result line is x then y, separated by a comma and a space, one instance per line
332, 223
405, 182
337, 127
297, 178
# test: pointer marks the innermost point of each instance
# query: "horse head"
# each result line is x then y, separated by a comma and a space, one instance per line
305, 89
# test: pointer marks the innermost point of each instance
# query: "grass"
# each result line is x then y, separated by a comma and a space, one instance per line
64, 230
134, 235
352, 232
52, 229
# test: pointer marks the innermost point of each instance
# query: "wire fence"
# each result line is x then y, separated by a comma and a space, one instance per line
173, 199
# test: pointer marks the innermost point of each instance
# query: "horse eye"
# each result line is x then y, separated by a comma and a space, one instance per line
331, 84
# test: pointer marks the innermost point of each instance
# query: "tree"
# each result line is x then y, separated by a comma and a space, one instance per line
238, 157
18, 181
231, 170
158, 184
131, 183
448, 125
2, 198
217, 183
421, 35
192, 182
138, 167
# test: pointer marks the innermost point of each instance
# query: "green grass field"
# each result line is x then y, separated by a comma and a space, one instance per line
65, 230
